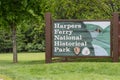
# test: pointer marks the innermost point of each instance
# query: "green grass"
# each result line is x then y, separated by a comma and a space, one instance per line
31, 66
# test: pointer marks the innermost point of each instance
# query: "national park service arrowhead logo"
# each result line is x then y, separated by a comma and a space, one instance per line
77, 50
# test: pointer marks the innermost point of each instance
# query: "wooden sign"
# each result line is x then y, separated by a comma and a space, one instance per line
82, 38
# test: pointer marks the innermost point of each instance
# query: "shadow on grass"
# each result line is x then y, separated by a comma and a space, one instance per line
57, 60
8, 62
5, 62
32, 62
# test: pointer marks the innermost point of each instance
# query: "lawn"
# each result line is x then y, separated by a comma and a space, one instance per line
31, 66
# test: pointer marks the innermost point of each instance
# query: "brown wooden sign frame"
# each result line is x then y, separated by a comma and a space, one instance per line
119, 35
115, 39
76, 20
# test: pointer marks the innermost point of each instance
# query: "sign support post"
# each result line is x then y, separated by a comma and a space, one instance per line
119, 34
48, 38
115, 25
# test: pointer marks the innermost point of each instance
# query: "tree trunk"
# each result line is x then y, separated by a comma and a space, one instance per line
13, 28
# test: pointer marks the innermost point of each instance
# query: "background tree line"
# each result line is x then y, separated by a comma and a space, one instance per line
27, 17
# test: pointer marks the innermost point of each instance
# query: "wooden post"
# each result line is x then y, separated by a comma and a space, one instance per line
48, 38
119, 34
115, 24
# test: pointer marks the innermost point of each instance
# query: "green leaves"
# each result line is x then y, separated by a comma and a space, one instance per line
83, 9
28, 16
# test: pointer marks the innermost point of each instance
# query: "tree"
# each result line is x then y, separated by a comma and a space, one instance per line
83, 9
107, 7
17, 12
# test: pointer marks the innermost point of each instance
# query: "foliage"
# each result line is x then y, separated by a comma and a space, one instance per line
83, 9
28, 17
16, 13
5, 41
31, 39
